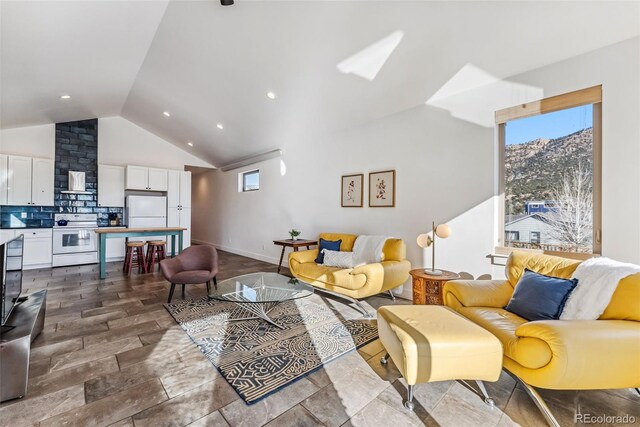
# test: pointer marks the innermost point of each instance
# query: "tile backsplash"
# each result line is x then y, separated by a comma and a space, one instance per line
42, 216
34, 216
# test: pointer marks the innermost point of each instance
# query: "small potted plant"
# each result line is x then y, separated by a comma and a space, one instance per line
294, 234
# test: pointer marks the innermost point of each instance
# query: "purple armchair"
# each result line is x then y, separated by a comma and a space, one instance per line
196, 264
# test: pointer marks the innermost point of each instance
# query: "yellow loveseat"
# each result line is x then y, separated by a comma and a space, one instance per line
353, 283
556, 354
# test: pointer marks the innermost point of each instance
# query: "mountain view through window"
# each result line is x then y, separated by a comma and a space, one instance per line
549, 181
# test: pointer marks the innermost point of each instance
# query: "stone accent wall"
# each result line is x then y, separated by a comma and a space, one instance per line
76, 150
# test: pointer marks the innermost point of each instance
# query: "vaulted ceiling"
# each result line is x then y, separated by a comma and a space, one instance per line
332, 65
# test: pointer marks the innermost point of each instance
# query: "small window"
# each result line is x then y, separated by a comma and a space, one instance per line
534, 237
512, 236
251, 180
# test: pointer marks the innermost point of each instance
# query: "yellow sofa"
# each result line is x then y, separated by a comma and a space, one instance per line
353, 283
556, 354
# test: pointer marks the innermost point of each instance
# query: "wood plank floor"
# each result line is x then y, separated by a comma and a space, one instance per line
110, 354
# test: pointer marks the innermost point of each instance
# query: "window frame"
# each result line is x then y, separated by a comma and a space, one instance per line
243, 180
514, 233
591, 95
539, 237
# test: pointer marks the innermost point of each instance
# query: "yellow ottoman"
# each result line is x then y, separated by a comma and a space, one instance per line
434, 343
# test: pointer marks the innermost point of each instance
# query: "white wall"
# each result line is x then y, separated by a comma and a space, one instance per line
32, 141
617, 68
445, 172
120, 142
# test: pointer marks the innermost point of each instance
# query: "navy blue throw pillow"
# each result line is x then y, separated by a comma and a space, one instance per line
332, 245
540, 297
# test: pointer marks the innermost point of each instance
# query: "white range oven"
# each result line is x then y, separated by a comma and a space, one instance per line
74, 239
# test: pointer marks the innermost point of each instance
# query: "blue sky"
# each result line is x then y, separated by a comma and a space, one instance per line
550, 125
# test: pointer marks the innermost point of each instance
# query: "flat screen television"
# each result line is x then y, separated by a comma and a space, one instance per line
11, 267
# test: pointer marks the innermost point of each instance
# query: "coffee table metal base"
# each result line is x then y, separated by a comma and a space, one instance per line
259, 311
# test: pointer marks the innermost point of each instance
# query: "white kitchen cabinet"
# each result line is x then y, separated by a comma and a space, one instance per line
185, 221
180, 217
179, 189
7, 234
4, 165
111, 183
137, 178
115, 249
37, 247
185, 189
143, 178
173, 217
42, 182
26, 181
157, 179
19, 180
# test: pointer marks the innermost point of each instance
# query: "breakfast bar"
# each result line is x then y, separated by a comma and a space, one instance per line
112, 233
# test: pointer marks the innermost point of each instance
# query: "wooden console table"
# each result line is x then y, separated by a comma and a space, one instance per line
427, 289
295, 244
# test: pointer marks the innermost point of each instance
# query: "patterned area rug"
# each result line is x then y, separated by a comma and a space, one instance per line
257, 358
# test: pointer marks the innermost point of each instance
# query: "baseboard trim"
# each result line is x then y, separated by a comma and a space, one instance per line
248, 254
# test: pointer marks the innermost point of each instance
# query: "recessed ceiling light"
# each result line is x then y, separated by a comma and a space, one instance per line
65, 96
190, 144
219, 126
166, 113
271, 95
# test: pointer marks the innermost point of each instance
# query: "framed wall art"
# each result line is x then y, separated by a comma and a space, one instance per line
352, 190
382, 189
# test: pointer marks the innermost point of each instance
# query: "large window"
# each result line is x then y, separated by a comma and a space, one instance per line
550, 173
251, 180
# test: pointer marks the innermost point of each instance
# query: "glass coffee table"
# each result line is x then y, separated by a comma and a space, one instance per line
259, 293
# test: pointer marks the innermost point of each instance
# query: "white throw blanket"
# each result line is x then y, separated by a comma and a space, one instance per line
368, 249
597, 281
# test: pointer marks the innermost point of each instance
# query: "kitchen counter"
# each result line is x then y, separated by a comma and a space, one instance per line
122, 229
105, 233
24, 227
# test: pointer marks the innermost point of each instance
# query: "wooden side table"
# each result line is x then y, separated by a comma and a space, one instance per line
427, 289
295, 244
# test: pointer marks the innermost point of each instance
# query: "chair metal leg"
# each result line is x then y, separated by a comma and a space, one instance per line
638, 390
215, 282
182, 291
393, 297
362, 309
173, 288
208, 287
409, 402
357, 303
384, 359
489, 401
537, 399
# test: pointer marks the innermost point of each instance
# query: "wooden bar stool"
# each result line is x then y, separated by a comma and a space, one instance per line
155, 252
135, 257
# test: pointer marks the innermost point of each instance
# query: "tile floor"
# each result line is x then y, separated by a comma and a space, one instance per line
110, 354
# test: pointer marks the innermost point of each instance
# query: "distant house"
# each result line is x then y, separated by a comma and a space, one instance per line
528, 228
540, 206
